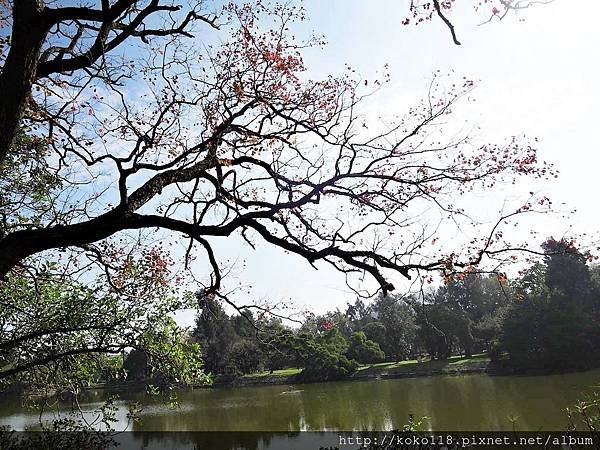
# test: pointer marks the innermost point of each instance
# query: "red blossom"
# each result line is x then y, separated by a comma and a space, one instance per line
327, 325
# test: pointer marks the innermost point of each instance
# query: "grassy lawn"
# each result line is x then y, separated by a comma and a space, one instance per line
280, 372
457, 360
411, 365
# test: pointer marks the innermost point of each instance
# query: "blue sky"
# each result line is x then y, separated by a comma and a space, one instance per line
537, 76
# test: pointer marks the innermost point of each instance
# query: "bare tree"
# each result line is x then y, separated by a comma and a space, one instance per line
206, 139
425, 10
47, 41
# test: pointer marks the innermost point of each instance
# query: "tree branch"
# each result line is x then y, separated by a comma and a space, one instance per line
436, 5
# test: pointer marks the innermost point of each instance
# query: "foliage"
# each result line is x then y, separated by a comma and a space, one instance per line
364, 350
554, 321
245, 357
585, 415
441, 327
215, 334
28, 183
56, 332
65, 434
173, 358
489, 328
376, 332
136, 365
323, 356
398, 319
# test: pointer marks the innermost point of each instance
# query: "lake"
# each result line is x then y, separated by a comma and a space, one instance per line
467, 402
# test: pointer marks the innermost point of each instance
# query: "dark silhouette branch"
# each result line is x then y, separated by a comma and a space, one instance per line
436, 5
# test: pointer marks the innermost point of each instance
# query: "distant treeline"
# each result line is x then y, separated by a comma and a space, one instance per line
547, 318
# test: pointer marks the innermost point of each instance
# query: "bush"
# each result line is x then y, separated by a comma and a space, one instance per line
364, 350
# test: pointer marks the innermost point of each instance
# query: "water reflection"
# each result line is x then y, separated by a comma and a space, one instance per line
452, 403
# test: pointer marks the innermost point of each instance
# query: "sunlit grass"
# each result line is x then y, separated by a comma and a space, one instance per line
280, 373
480, 357
425, 364
408, 365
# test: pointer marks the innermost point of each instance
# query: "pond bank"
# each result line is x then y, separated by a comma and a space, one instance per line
456, 365
403, 369
453, 366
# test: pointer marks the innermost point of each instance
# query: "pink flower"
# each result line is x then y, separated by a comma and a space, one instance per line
327, 326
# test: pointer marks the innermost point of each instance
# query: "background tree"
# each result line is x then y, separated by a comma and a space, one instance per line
363, 350
376, 332
215, 333
280, 347
555, 325
359, 314
398, 319
137, 365
540, 327
323, 356
245, 357
567, 270
442, 330
478, 302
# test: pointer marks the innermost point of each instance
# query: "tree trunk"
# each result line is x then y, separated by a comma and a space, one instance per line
19, 72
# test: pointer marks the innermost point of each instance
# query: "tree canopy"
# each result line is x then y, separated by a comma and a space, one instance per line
222, 139
127, 122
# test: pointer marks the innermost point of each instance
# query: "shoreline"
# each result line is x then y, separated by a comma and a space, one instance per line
425, 369
274, 380
454, 366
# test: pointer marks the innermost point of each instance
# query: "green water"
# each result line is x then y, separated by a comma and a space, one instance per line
474, 402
